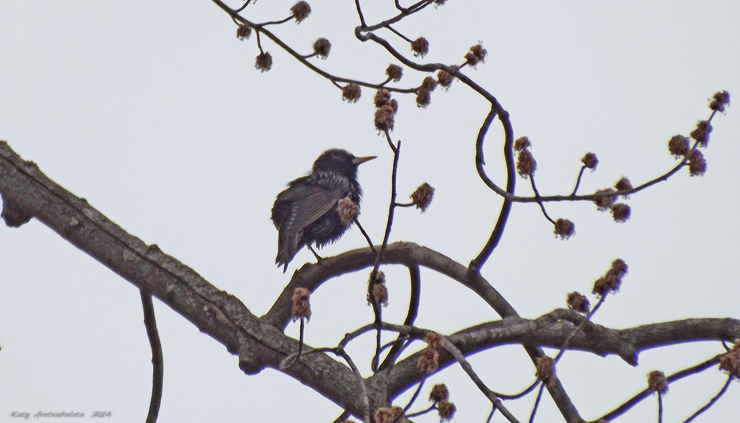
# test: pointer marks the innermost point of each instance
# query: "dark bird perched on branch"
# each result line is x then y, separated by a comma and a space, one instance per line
308, 211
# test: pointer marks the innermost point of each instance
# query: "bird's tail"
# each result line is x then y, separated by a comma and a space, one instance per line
288, 246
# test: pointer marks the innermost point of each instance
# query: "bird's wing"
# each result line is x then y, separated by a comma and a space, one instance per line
307, 204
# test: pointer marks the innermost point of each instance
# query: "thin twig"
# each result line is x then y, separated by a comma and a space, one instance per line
367, 237
408, 12
359, 13
150, 322
413, 311
390, 141
413, 397
490, 416
590, 197
259, 44
242, 8
374, 274
578, 181
627, 405
300, 339
536, 403
419, 413
580, 327
463, 362
526, 391
281, 21
333, 78
537, 194
712, 401
342, 417
503, 216
403, 37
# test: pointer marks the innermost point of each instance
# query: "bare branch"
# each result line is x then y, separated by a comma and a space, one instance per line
150, 322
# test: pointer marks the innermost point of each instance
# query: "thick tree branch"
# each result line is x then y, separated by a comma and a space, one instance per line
311, 276
214, 312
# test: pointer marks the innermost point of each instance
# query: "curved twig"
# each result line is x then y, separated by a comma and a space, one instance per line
647, 392
150, 322
712, 401
503, 216
333, 78
537, 194
413, 311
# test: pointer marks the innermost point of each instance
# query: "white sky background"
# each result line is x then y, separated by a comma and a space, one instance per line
154, 113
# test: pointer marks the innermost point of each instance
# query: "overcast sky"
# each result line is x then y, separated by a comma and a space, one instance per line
154, 113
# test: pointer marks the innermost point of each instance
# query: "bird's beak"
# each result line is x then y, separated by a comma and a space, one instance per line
359, 160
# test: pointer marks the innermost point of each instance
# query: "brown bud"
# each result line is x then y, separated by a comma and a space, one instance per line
697, 164
522, 143
438, 393
623, 184
578, 302
433, 340
719, 101
525, 165
263, 62
428, 84
384, 415
701, 133
620, 267
620, 212
604, 203
678, 145
429, 361
394, 72
394, 105
381, 294
384, 118
397, 413
477, 54
351, 93
422, 197
379, 277
347, 211
657, 382
321, 47
243, 32
301, 304
546, 370
612, 280
446, 410
423, 98
590, 161
380, 291
730, 362
445, 78
420, 46
382, 97
564, 228
300, 11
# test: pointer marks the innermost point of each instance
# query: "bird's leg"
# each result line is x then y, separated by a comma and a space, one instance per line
318, 257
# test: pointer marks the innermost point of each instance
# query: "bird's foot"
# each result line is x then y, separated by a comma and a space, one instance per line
318, 257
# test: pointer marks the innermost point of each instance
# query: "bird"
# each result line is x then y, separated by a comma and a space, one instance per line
306, 212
